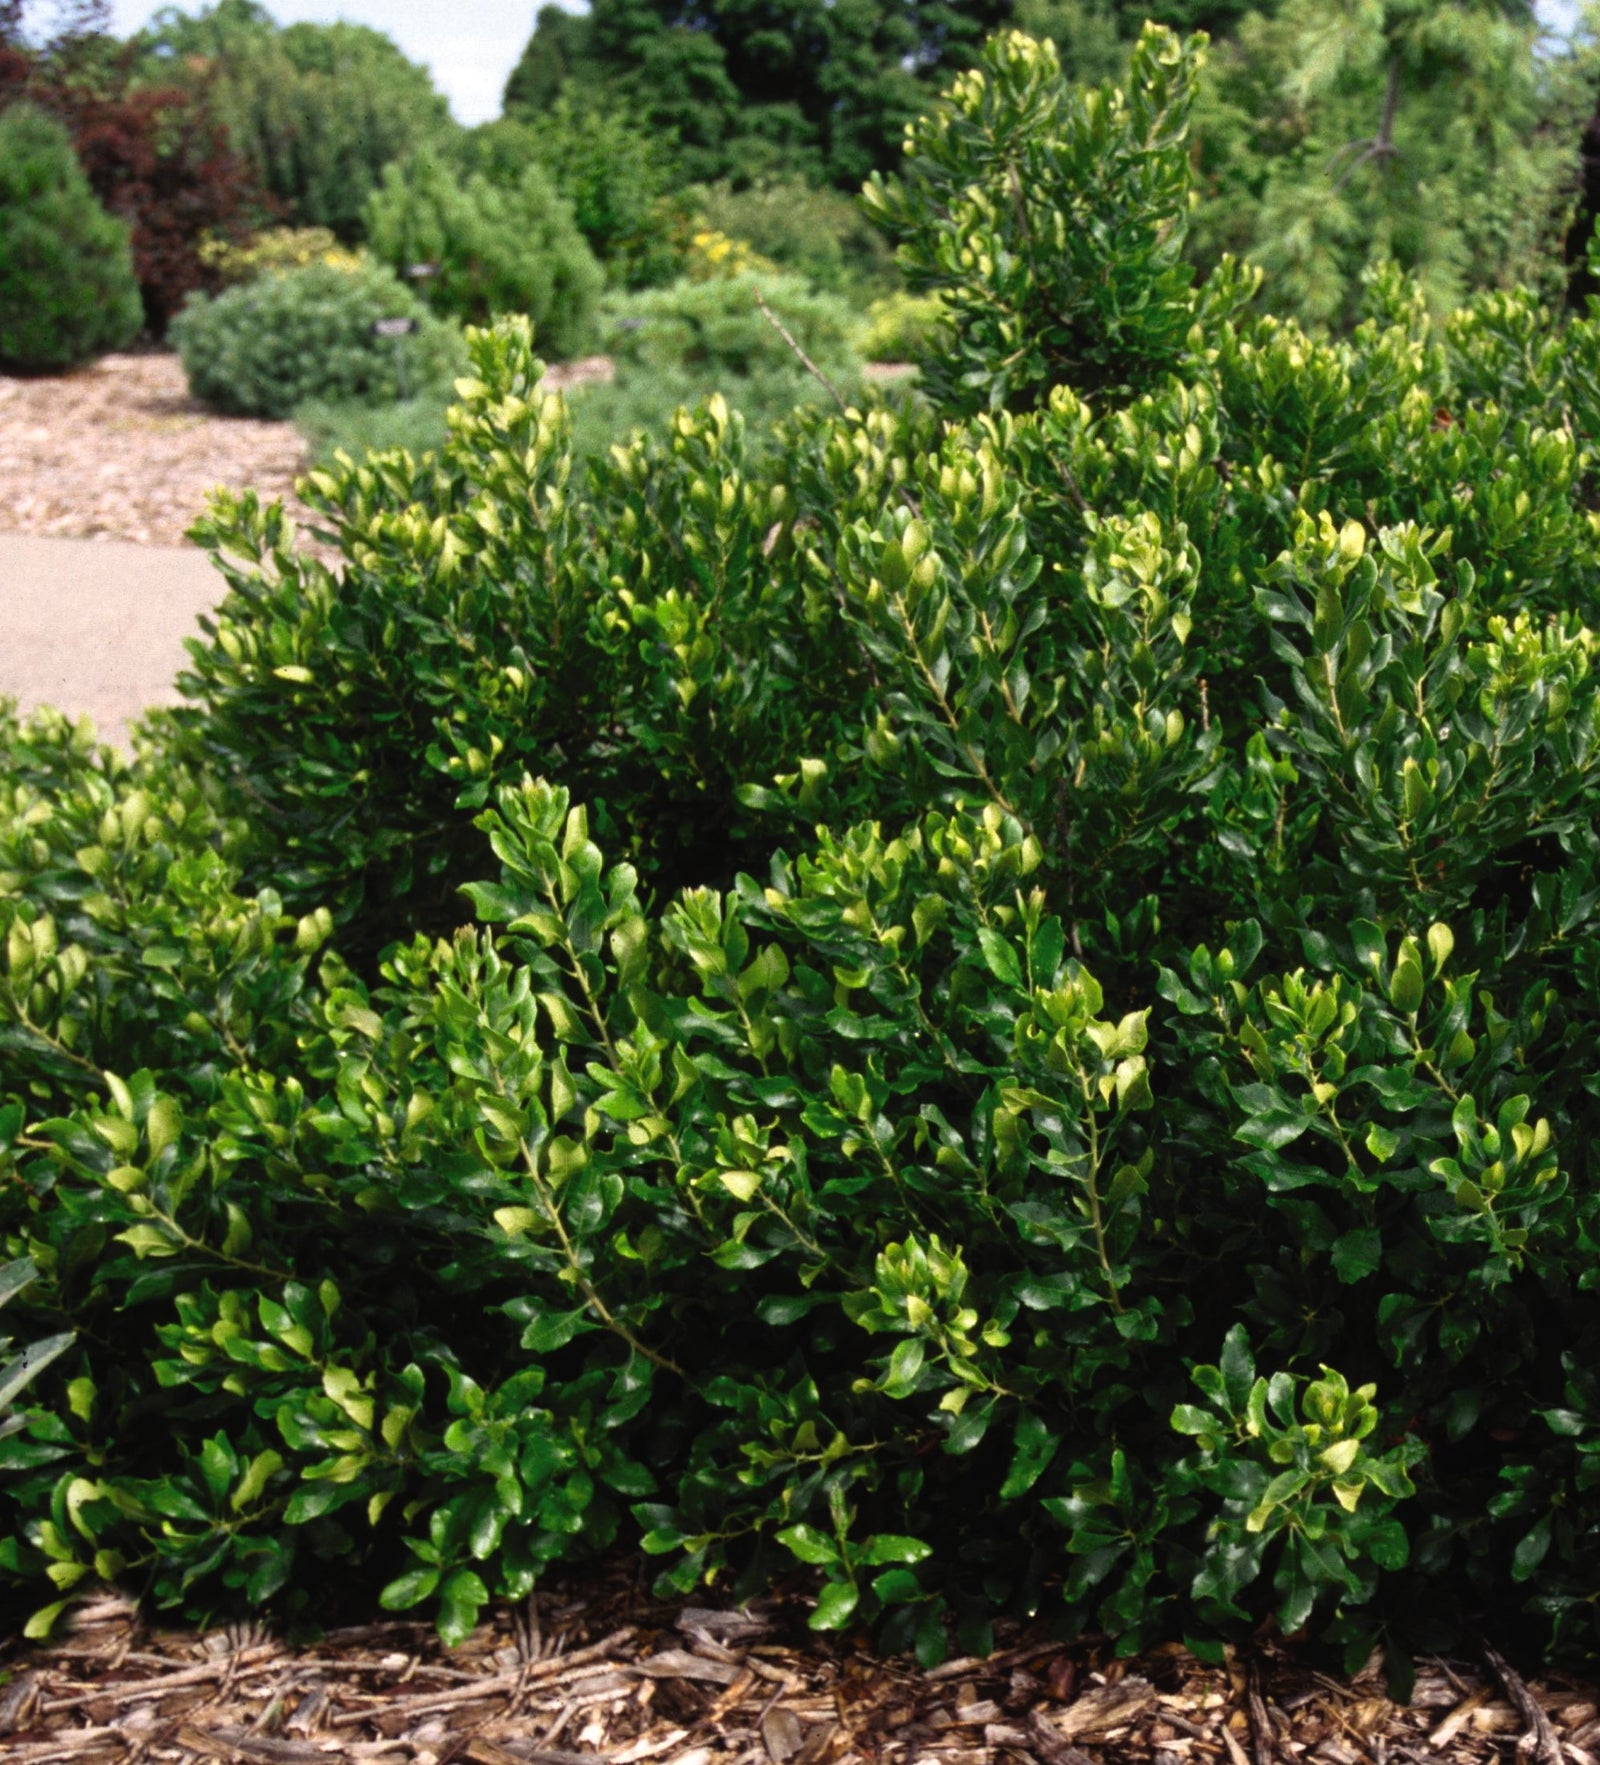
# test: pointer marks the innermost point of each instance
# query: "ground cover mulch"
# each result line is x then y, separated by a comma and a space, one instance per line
606, 1676
119, 450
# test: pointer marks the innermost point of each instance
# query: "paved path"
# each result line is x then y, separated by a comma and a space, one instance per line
97, 626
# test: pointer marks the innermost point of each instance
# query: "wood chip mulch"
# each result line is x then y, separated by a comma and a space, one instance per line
119, 450
609, 1678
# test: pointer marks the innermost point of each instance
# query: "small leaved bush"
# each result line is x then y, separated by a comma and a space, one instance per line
293, 335
713, 255
351, 426
1049, 218
899, 327
820, 235
992, 1005
620, 178
276, 248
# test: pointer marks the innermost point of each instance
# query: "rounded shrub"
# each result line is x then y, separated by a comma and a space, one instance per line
265, 348
717, 329
622, 181
994, 1007
496, 248
67, 287
819, 234
676, 346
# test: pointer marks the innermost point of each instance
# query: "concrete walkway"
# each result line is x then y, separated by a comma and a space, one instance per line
97, 626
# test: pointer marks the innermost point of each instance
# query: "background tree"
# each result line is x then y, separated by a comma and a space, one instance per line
498, 248
623, 182
552, 57
808, 87
157, 155
1089, 35
69, 18
1438, 134
317, 111
67, 288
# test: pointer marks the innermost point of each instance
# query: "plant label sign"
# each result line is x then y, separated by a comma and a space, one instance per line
393, 327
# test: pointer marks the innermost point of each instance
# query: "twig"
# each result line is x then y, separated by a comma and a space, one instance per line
72, 1744
1382, 145
21, 1699
1071, 482
806, 362
1015, 180
1546, 1748
529, 1632
497, 1684
1446, 1730
263, 1657
1263, 1747
233, 1743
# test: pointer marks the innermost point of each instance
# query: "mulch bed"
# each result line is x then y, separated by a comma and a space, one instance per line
119, 450
607, 1677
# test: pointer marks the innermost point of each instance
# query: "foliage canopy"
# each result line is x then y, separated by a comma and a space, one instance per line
996, 1004
622, 181
820, 90
1443, 136
493, 248
263, 348
155, 155
317, 110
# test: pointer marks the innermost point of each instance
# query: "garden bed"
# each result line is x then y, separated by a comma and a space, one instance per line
602, 1674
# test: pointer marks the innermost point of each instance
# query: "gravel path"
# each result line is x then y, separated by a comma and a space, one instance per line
98, 628
101, 473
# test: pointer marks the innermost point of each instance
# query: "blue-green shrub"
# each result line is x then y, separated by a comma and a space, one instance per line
267, 347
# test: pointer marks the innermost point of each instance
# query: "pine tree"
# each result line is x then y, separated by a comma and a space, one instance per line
67, 287
1431, 132
317, 110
